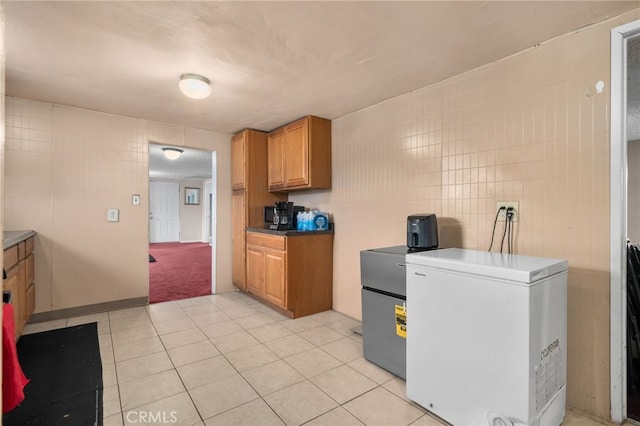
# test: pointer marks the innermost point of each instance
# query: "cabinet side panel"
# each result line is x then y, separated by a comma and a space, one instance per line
238, 226
320, 152
309, 274
257, 187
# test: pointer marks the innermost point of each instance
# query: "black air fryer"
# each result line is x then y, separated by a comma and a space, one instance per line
422, 232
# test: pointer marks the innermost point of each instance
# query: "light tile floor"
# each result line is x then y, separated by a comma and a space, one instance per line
229, 360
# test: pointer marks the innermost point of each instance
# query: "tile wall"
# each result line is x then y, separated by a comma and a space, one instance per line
520, 129
64, 168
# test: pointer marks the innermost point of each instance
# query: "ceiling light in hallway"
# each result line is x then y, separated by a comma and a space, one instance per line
172, 153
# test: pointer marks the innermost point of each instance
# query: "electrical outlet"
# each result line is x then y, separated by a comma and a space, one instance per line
112, 215
503, 213
135, 199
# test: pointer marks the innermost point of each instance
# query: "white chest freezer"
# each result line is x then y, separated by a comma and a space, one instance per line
487, 337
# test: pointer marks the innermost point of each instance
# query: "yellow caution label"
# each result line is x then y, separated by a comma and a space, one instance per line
401, 321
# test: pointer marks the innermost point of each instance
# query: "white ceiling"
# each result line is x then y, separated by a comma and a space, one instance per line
192, 164
269, 62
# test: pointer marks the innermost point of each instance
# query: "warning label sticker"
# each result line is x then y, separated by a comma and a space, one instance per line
549, 373
401, 321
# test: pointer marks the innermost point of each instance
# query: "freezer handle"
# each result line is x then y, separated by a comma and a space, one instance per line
418, 273
402, 265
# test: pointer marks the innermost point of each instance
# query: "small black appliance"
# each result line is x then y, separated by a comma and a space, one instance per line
422, 232
285, 215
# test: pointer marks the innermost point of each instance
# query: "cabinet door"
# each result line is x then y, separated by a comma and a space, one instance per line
275, 277
30, 269
22, 294
238, 161
12, 284
275, 156
31, 300
296, 153
238, 239
255, 270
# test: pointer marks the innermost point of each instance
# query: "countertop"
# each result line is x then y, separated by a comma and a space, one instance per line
290, 232
11, 238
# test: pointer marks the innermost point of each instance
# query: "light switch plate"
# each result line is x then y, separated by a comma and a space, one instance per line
113, 215
135, 199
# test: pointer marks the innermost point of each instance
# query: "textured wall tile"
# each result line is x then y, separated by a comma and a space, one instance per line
520, 129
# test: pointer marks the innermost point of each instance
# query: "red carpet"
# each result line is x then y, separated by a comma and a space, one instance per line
181, 270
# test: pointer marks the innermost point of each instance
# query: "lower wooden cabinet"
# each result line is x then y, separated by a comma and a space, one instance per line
18, 262
293, 272
11, 283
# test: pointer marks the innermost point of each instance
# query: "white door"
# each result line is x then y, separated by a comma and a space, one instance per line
164, 204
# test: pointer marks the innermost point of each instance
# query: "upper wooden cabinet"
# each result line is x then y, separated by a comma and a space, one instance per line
276, 159
239, 160
300, 155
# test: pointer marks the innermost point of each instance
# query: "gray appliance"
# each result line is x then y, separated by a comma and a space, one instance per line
384, 287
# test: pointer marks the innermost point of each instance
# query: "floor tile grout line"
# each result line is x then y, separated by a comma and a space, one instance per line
260, 396
263, 343
243, 377
115, 369
176, 370
252, 387
306, 378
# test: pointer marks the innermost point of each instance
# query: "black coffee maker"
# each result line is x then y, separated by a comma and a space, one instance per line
285, 215
282, 215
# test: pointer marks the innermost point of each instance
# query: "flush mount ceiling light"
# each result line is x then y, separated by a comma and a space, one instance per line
172, 153
195, 86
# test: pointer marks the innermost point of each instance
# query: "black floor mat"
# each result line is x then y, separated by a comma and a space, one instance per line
65, 370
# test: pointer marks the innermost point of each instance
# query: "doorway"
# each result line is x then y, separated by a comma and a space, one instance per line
181, 217
620, 38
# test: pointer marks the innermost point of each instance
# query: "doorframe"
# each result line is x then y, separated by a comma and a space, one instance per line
618, 218
214, 220
214, 215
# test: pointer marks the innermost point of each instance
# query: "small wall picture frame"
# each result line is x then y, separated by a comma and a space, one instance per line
191, 196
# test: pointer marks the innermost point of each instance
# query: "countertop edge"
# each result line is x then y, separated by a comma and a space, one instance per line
288, 232
11, 238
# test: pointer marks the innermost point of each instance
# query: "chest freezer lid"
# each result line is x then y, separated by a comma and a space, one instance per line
513, 267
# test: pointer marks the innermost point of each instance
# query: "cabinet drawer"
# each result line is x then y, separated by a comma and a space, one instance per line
266, 240
10, 257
